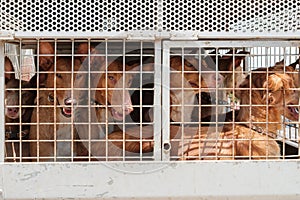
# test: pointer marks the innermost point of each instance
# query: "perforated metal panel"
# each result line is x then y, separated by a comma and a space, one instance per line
98, 16
222, 16
83, 16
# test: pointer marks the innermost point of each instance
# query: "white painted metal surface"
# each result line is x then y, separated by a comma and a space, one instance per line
171, 180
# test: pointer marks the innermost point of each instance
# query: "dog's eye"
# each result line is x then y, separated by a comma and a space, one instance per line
111, 78
58, 75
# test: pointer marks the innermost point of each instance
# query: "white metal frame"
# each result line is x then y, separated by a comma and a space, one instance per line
155, 180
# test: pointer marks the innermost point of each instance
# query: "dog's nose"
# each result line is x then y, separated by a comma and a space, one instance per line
69, 101
128, 109
220, 78
13, 110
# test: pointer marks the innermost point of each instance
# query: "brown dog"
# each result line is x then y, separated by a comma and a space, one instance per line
254, 135
17, 115
107, 88
52, 116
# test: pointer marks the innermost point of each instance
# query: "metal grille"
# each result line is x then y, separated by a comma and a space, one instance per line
83, 93
205, 16
104, 100
226, 110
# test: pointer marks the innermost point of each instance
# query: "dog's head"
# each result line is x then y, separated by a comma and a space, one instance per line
59, 77
274, 88
110, 81
14, 101
189, 67
229, 63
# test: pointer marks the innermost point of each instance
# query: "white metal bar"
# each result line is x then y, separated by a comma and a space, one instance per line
2, 104
166, 103
232, 43
157, 111
152, 35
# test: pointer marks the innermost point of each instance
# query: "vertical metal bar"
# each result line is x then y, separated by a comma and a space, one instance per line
38, 103
165, 102
55, 102
157, 118
89, 100
72, 103
20, 101
2, 86
123, 96
141, 99
105, 70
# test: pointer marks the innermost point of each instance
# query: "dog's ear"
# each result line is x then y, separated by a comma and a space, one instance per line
294, 65
241, 88
280, 63
275, 83
96, 60
8, 69
232, 59
240, 57
46, 61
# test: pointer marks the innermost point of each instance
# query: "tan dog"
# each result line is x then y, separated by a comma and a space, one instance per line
17, 114
229, 66
187, 79
181, 93
52, 118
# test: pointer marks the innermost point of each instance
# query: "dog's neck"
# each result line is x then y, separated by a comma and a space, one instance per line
257, 116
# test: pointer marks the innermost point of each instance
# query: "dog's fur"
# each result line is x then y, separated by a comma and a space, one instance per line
52, 116
229, 66
112, 102
272, 95
17, 114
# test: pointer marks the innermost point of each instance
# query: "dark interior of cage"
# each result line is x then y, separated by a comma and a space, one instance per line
219, 102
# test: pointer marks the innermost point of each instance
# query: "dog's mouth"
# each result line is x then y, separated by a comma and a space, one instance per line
116, 115
294, 112
67, 109
119, 115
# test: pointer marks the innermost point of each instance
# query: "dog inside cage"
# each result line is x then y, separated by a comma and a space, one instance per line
103, 100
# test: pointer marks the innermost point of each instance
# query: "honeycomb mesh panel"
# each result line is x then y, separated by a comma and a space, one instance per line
84, 16
221, 15
195, 15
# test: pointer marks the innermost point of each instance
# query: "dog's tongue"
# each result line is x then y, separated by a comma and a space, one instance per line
67, 111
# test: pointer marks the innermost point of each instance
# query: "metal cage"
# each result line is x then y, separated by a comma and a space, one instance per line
149, 100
